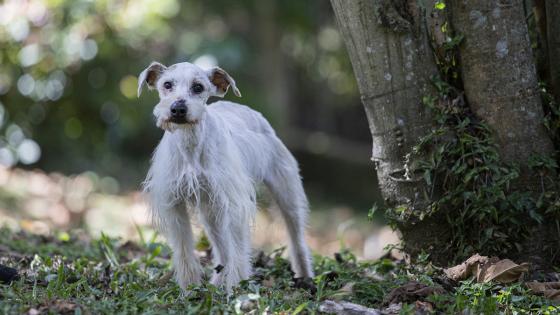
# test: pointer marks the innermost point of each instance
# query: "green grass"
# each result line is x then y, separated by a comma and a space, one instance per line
72, 274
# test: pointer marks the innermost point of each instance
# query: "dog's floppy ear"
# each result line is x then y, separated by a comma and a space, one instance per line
150, 76
222, 81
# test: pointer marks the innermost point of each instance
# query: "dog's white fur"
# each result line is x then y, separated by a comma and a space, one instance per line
209, 167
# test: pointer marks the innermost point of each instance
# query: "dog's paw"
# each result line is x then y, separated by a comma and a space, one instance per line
218, 279
225, 278
187, 277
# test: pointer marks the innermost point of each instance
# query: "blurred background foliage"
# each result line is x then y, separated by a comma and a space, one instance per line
68, 84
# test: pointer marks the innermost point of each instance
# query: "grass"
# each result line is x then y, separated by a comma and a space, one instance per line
73, 274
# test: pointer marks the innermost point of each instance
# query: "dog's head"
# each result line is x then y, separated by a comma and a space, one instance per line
183, 90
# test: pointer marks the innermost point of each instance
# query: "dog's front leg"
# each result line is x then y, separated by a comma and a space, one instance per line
176, 226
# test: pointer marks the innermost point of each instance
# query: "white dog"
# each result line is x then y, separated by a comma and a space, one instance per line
207, 165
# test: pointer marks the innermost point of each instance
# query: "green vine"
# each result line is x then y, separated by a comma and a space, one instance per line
468, 181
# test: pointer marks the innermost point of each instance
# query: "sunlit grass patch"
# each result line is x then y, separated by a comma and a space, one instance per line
73, 274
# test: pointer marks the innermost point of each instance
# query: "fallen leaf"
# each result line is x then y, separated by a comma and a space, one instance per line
411, 292
485, 269
505, 271
346, 308
344, 292
8, 274
165, 278
131, 250
467, 268
550, 290
347, 288
64, 307
424, 307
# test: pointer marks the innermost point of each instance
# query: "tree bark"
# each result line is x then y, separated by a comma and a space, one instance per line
393, 62
390, 53
501, 87
500, 79
553, 33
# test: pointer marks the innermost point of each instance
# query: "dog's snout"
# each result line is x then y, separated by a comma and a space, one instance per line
179, 110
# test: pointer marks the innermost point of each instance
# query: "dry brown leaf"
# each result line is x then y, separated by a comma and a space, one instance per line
466, 269
486, 269
411, 292
165, 278
347, 288
550, 290
343, 292
424, 307
505, 271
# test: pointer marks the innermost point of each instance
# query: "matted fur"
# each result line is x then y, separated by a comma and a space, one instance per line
209, 168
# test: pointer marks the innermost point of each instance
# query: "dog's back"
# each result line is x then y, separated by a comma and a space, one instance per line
241, 117
252, 134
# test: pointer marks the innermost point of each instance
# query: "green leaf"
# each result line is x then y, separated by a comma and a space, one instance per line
372, 212
440, 5
300, 308
63, 236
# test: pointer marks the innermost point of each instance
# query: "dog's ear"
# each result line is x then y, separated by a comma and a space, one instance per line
222, 81
150, 76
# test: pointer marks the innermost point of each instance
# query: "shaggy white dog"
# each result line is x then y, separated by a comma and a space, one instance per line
207, 165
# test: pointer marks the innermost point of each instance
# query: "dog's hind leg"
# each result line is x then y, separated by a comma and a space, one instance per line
242, 240
285, 185
228, 259
176, 226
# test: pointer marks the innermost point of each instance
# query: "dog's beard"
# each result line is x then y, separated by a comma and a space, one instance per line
170, 126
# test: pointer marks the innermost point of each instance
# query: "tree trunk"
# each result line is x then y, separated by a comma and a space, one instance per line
501, 88
390, 50
393, 63
553, 22
500, 79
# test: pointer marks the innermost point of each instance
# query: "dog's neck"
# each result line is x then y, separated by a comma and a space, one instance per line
194, 139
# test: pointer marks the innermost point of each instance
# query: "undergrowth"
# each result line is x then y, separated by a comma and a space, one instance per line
73, 274
469, 182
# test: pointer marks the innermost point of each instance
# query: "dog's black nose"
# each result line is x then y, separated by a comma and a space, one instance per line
179, 110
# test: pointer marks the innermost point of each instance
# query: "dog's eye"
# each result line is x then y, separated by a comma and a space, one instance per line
197, 88
168, 85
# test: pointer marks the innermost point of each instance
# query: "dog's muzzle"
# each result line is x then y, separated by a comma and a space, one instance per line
178, 112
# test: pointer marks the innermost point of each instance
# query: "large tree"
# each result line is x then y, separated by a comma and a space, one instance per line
465, 69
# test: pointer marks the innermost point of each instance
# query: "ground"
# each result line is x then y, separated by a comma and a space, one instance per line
70, 273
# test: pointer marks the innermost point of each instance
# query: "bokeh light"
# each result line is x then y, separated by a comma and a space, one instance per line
28, 151
69, 113
73, 128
